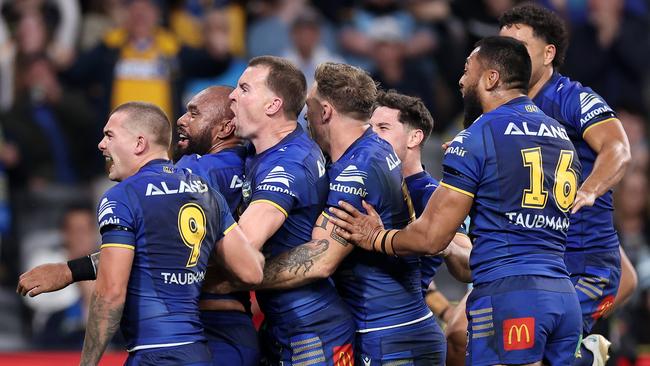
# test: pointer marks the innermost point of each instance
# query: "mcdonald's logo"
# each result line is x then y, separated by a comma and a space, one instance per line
343, 355
518, 333
603, 307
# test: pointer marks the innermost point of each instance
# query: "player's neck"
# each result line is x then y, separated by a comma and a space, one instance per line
274, 133
539, 84
343, 133
498, 98
221, 145
412, 164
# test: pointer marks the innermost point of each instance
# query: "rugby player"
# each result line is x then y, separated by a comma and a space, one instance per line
284, 192
393, 323
207, 128
406, 124
593, 255
515, 171
159, 226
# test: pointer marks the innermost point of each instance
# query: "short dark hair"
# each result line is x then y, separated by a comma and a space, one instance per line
509, 57
350, 89
412, 111
286, 80
151, 118
546, 25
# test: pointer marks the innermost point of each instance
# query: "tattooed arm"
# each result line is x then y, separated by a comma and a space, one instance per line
107, 302
308, 262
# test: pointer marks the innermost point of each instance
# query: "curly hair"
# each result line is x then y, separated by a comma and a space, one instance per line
545, 23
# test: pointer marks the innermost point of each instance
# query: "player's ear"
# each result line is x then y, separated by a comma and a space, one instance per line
140, 145
225, 129
549, 54
491, 79
326, 110
415, 138
274, 107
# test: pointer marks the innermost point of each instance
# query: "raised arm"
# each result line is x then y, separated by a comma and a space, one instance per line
608, 140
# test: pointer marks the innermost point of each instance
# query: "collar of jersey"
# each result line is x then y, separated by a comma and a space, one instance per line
155, 163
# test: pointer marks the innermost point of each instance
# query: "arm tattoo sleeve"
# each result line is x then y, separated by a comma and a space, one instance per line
103, 321
322, 223
298, 261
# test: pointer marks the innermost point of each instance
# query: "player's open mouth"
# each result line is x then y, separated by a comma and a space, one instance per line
183, 140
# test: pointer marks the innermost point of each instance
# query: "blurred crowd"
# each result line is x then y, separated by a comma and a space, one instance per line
64, 64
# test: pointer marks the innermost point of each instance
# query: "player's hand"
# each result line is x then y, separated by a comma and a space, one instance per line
445, 145
355, 227
44, 278
583, 198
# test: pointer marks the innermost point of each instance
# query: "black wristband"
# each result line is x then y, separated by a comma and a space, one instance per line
82, 269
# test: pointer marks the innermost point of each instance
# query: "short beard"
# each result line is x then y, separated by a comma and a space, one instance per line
472, 107
200, 144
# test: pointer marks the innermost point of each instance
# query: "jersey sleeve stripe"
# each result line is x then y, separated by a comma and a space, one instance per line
272, 204
225, 232
114, 245
443, 184
326, 215
598, 123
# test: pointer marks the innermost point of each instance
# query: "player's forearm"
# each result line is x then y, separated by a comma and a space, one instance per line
609, 168
299, 266
457, 261
103, 320
421, 238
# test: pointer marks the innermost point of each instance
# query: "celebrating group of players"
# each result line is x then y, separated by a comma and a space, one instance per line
345, 262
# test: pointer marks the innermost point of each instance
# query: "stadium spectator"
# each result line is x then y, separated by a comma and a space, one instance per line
306, 49
618, 45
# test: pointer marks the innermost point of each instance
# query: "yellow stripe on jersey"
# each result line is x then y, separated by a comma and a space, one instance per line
272, 204
325, 215
599, 123
114, 245
457, 189
225, 232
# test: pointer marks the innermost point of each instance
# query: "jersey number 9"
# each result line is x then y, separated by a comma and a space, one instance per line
191, 226
565, 183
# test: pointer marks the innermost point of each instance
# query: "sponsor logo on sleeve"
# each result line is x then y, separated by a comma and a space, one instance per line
105, 207
518, 333
279, 175
351, 174
591, 106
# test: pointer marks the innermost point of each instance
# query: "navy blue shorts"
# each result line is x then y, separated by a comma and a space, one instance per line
523, 319
325, 337
596, 277
232, 338
419, 344
193, 354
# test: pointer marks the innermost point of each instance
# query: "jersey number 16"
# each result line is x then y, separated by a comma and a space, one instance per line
565, 180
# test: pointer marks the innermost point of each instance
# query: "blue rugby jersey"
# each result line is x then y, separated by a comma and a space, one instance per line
523, 173
224, 172
381, 290
290, 176
172, 220
578, 108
